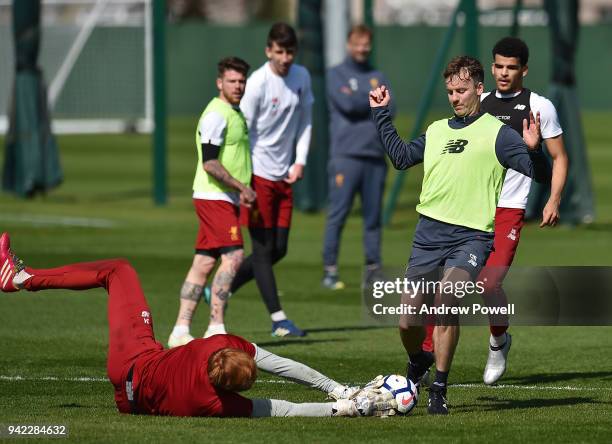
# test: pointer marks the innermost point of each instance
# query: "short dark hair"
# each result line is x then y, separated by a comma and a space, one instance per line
461, 65
512, 47
360, 30
234, 64
283, 35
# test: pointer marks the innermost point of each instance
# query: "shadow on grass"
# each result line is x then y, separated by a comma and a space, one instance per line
547, 378
542, 378
488, 403
347, 328
74, 405
285, 342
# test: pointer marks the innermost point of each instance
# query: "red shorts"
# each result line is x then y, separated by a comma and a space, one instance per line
273, 206
508, 225
219, 224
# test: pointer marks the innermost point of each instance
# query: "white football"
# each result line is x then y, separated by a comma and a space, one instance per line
404, 391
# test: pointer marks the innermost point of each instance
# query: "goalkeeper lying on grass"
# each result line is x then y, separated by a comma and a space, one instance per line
201, 378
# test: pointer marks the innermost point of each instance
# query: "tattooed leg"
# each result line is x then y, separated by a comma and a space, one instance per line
191, 291
230, 262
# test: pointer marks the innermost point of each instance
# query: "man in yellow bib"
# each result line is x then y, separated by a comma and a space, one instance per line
221, 184
465, 160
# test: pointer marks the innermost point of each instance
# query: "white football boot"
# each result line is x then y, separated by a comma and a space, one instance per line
496, 363
215, 330
177, 341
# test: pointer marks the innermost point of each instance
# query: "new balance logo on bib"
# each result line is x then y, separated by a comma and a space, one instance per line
455, 146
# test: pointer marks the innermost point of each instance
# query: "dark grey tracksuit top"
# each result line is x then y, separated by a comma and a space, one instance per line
510, 150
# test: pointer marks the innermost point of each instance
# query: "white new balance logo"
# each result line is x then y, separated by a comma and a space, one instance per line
5, 273
473, 259
520, 107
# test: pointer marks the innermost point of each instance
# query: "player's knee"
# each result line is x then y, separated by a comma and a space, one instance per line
279, 253
203, 263
263, 253
232, 259
490, 288
238, 256
122, 264
447, 325
409, 325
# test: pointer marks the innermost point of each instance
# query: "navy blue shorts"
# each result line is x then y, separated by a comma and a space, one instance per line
470, 255
439, 245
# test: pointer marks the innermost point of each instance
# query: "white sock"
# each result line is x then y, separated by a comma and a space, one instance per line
278, 316
20, 278
331, 269
498, 341
216, 329
180, 330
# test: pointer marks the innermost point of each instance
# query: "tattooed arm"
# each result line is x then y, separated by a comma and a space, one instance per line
211, 135
218, 171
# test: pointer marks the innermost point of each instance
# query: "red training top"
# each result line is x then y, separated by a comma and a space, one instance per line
175, 382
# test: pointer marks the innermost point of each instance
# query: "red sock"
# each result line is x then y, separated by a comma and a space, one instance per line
428, 344
498, 330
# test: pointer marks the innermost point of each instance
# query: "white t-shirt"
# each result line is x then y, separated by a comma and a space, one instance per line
212, 130
278, 111
515, 190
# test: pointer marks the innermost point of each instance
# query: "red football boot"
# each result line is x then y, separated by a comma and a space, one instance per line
10, 265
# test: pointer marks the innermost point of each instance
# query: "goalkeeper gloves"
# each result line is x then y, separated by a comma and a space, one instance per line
343, 392
381, 404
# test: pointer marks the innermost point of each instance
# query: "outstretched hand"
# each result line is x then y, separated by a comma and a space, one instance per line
531, 131
379, 97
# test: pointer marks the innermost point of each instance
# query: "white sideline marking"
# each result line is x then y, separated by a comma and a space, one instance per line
531, 387
52, 378
281, 381
62, 221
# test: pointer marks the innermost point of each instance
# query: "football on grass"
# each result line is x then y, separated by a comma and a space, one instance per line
404, 391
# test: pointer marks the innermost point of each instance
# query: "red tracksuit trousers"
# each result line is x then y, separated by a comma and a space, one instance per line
129, 317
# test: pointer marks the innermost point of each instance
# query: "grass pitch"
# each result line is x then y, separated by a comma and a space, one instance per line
52, 367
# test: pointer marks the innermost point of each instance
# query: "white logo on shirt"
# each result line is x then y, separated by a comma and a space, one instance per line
353, 83
520, 107
146, 317
473, 259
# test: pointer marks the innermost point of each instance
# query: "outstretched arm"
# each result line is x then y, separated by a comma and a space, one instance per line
403, 155
513, 152
295, 371
263, 408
